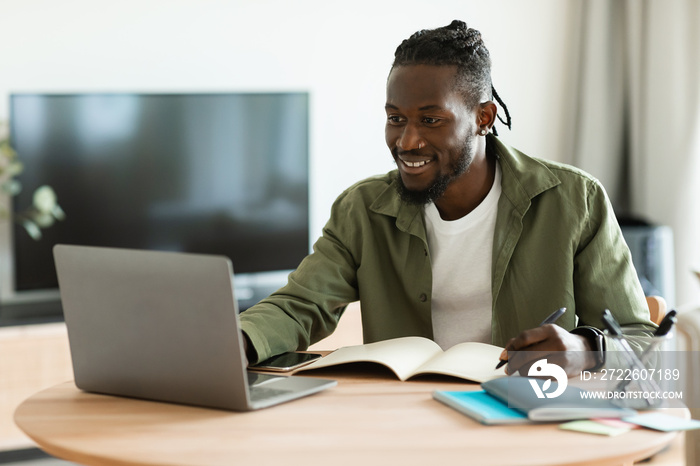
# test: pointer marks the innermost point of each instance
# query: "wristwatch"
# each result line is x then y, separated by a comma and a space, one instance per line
597, 342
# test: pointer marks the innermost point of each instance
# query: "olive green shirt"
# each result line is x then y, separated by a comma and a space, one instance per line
556, 244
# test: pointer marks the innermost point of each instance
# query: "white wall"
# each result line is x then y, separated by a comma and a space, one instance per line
339, 52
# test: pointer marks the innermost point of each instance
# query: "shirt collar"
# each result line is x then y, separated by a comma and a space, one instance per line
408, 216
523, 177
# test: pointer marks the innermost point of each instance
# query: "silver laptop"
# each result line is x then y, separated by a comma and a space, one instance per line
162, 326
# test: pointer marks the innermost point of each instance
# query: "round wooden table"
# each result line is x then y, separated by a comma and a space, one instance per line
369, 418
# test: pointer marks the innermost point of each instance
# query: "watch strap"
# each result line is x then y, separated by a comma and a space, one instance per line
597, 341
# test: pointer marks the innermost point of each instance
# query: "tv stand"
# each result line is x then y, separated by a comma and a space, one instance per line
31, 312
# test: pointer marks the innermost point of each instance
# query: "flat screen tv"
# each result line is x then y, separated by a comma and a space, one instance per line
223, 173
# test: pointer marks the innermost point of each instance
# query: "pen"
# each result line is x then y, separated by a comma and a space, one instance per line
551, 318
633, 361
616, 330
664, 328
611, 324
666, 324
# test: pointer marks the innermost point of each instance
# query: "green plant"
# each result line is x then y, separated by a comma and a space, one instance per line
44, 210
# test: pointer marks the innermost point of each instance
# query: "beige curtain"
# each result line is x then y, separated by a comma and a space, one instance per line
636, 118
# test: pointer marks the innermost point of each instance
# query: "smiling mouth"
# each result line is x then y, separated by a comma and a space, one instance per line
415, 164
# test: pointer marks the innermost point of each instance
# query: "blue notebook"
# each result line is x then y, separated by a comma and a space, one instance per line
481, 406
517, 392
511, 400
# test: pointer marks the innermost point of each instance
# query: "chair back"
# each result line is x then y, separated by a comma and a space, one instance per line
657, 308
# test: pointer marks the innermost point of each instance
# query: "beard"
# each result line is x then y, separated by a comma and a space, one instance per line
440, 184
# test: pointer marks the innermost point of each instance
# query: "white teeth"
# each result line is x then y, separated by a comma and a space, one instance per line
416, 164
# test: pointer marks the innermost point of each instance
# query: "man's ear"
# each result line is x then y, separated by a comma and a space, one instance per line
487, 115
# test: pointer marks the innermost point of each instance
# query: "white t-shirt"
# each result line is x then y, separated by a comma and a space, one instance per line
460, 255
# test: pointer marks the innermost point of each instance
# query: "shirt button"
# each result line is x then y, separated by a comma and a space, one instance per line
423, 298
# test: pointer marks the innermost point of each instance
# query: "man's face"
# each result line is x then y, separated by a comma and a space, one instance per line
430, 130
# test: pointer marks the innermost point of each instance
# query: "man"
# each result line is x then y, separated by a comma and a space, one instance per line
469, 240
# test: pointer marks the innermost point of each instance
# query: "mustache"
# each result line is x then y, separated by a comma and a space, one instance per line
396, 152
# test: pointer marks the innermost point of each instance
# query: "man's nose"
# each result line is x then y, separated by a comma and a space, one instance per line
410, 139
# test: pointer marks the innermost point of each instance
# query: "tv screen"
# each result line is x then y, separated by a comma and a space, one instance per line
204, 173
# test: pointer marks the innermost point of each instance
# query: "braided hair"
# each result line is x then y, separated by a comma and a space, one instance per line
454, 45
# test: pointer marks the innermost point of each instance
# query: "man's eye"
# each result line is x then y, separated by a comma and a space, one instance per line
394, 119
430, 120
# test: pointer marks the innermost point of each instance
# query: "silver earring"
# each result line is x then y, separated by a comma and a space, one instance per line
482, 132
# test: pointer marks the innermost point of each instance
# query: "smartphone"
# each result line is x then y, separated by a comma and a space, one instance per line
286, 361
